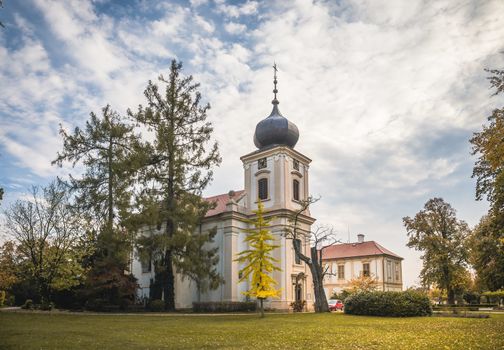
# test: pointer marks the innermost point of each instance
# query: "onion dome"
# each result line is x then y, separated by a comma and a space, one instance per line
275, 129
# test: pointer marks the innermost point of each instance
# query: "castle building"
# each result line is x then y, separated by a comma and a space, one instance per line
278, 175
347, 261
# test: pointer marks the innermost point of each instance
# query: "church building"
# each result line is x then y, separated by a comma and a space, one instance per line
277, 174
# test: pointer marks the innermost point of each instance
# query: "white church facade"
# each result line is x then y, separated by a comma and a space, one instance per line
278, 175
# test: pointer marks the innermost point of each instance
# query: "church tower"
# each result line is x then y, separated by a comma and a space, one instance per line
278, 175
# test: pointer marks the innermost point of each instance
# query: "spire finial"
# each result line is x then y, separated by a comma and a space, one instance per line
275, 70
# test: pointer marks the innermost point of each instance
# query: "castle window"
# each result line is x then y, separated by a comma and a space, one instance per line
295, 190
365, 270
397, 272
389, 270
297, 244
341, 272
262, 163
146, 265
262, 185
296, 164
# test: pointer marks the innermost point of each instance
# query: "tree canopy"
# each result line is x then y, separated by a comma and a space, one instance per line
441, 237
487, 248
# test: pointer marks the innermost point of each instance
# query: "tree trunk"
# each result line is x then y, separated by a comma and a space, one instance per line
110, 199
169, 282
451, 296
318, 282
262, 307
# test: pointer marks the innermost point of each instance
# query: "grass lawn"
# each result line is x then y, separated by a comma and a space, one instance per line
288, 331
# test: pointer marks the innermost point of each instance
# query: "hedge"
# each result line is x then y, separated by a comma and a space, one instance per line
397, 304
230, 306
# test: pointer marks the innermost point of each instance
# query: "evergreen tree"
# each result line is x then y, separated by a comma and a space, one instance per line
201, 264
259, 264
176, 167
105, 149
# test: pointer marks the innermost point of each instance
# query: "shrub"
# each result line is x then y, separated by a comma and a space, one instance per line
398, 304
28, 305
2, 298
47, 306
298, 306
227, 306
156, 305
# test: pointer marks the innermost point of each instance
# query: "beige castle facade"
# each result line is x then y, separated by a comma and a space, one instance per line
351, 260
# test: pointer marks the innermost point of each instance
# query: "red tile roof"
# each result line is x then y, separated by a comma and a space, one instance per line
349, 250
221, 200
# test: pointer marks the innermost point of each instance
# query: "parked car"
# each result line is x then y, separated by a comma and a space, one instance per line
335, 305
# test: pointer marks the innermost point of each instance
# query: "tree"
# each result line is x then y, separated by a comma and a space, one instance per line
319, 240
487, 250
201, 264
46, 230
259, 264
105, 148
362, 284
176, 167
1, 5
441, 237
8, 266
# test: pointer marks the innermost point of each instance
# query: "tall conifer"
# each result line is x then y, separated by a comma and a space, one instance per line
104, 148
176, 167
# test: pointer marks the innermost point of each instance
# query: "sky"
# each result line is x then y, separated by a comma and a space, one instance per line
386, 94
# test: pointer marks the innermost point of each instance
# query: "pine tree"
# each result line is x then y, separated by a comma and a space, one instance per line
105, 149
176, 168
259, 264
201, 264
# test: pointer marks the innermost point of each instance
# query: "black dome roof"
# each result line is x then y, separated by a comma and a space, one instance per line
275, 130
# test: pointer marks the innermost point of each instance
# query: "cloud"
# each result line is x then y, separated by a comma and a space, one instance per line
247, 9
235, 28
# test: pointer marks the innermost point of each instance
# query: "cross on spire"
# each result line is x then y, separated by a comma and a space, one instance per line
275, 90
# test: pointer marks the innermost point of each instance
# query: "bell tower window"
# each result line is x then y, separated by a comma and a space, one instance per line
262, 163
262, 186
295, 190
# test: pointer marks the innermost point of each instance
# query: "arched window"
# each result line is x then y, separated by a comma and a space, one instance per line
295, 190
262, 185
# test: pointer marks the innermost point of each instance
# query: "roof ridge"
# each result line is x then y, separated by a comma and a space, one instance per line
222, 194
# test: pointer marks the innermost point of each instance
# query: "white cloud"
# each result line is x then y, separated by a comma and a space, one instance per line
234, 11
235, 28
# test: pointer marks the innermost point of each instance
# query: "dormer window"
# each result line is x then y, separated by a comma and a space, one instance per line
262, 163
295, 164
295, 190
262, 185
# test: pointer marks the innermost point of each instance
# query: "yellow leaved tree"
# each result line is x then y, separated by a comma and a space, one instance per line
258, 259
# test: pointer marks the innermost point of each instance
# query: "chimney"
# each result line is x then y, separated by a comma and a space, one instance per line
360, 238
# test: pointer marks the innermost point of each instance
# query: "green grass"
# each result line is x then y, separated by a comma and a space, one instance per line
288, 331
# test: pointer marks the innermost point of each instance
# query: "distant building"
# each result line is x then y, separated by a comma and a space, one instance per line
351, 260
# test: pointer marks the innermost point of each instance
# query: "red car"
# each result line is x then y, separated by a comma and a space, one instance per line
335, 305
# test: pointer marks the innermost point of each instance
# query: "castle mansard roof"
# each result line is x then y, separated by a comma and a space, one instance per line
221, 200
351, 250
